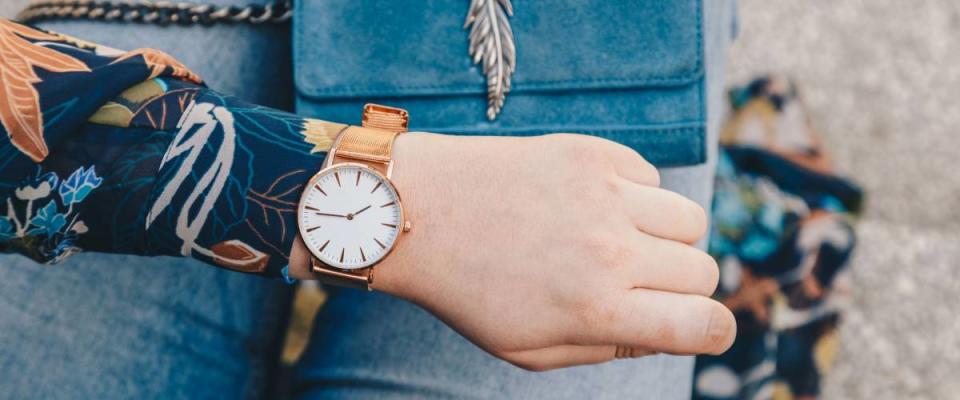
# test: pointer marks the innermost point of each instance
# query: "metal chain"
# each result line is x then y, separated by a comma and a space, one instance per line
159, 13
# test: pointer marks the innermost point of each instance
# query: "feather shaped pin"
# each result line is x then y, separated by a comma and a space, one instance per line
491, 43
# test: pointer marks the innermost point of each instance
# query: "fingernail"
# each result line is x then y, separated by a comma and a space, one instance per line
718, 332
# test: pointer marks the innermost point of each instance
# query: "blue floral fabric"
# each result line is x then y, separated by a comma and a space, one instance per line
41, 219
782, 234
128, 152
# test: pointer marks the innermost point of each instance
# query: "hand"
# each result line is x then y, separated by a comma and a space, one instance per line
550, 251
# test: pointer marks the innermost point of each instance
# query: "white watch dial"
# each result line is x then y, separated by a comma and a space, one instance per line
349, 216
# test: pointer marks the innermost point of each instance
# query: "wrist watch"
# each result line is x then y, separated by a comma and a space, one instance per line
350, 215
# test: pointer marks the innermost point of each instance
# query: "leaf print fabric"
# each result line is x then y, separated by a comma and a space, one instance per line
48, 221
79, 185
6, 229
20, 104
159, 62
128, 152
41, 220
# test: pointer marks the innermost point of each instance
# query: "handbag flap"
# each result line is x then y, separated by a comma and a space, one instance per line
386, 48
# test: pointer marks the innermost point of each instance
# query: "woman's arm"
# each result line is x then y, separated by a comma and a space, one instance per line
129, 153
546, 252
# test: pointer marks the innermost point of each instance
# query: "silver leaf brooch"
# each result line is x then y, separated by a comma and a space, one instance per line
491, 43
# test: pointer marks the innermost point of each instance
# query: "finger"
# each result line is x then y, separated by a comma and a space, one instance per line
571, 355
632, 166
665, 214
631, 352
663, 322
627, 162
673, 267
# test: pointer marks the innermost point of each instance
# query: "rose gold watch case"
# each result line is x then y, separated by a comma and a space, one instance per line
364, 273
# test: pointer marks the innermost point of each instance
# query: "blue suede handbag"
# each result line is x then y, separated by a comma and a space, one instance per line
631, 71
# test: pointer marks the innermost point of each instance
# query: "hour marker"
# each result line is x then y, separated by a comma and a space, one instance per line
324, 245
336, 174
376, 187
387, 205
358, 178
313, 229
381, 244
390, 225
341, 254
317, 186
363, 256
310, 208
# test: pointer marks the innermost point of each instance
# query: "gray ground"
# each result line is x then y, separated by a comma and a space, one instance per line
881, 78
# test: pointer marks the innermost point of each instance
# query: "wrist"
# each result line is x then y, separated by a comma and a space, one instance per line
390, 274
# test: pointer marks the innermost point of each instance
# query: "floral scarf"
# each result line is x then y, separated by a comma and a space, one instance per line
782, 234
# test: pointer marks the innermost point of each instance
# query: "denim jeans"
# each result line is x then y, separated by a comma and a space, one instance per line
108, 326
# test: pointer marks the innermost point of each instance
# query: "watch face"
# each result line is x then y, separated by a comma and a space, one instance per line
349, 216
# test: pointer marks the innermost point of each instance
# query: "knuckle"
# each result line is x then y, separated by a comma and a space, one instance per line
596, 312
609, 312
584, 153
589, 198
608, 251
649, 173
614, 187
696, 221
582, 307
654, 174
700, 220
588, 156
709, 272
598, 315
595, 243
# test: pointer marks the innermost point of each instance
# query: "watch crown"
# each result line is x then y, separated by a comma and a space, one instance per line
407, 226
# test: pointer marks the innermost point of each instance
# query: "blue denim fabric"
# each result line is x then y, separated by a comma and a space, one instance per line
630, 71
369, 345
121, 327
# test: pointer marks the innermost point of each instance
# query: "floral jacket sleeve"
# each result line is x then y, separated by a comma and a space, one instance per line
129, 152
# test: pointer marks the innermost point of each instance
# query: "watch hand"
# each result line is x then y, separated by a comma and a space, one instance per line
351, 215
330, 215
361, 210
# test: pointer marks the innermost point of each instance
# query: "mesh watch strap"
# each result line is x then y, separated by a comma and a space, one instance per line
361, 279
372, 144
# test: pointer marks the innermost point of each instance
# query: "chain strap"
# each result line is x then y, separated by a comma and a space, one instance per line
159, 13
